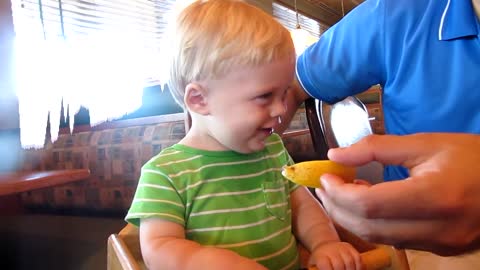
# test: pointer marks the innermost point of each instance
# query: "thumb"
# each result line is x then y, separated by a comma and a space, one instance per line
330, 184
330, 181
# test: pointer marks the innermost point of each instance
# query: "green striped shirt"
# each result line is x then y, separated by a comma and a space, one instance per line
223, 199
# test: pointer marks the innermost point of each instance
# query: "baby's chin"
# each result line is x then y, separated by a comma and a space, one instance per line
251, 147
256, 143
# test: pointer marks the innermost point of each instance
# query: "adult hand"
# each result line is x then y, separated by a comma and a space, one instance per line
436, 209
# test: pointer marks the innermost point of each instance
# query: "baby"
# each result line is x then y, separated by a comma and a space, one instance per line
217, 199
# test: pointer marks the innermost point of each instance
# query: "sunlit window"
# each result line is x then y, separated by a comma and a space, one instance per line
99, 54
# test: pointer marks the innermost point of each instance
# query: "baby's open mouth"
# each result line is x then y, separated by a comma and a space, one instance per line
268, 131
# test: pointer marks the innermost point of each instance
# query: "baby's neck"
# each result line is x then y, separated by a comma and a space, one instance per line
201, 141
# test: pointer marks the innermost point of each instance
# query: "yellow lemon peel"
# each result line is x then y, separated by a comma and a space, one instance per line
308, 173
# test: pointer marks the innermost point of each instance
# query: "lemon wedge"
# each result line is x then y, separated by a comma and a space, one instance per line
308, 173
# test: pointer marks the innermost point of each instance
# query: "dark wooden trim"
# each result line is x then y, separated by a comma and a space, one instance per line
320, 12
295, 133
142, 121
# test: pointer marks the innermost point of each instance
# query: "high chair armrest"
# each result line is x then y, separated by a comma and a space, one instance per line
119, 256
375, 259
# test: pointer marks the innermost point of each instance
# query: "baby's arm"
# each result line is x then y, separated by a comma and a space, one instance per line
314, 229
164, 246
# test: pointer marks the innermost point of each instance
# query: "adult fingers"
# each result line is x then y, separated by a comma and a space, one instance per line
396, 199
422, 234
387, 149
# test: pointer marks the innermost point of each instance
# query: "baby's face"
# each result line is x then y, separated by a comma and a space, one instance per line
247, 103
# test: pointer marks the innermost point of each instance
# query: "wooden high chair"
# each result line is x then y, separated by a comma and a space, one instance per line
124, 252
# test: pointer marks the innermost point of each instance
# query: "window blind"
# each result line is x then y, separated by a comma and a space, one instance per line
142, 22
287, 17
99, 54
74, 18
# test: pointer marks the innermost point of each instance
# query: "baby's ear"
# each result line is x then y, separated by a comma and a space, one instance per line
196, 99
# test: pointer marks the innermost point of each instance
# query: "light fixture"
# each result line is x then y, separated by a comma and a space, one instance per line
301, 38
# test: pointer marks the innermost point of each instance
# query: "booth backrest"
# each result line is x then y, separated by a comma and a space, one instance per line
115, 154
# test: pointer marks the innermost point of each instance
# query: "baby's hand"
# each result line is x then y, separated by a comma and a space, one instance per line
336, 256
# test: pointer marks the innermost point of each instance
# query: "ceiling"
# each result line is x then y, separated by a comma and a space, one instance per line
336, 5
325, 11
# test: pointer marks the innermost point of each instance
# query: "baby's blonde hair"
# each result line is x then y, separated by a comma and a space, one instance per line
213, 37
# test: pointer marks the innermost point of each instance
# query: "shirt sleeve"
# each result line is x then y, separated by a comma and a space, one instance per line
348, 58
156, 197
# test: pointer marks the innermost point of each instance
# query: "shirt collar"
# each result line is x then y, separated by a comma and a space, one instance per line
458, 20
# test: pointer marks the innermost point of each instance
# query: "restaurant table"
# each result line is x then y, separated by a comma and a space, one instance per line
16, 182
13, 183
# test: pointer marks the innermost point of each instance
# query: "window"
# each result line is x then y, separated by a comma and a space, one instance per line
287, 18
100, 54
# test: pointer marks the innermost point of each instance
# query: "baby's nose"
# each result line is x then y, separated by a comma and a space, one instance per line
277, 109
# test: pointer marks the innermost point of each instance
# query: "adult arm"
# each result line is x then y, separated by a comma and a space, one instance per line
333, 68
436, 209
349, 57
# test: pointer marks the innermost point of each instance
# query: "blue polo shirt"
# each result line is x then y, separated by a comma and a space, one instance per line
424, 53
